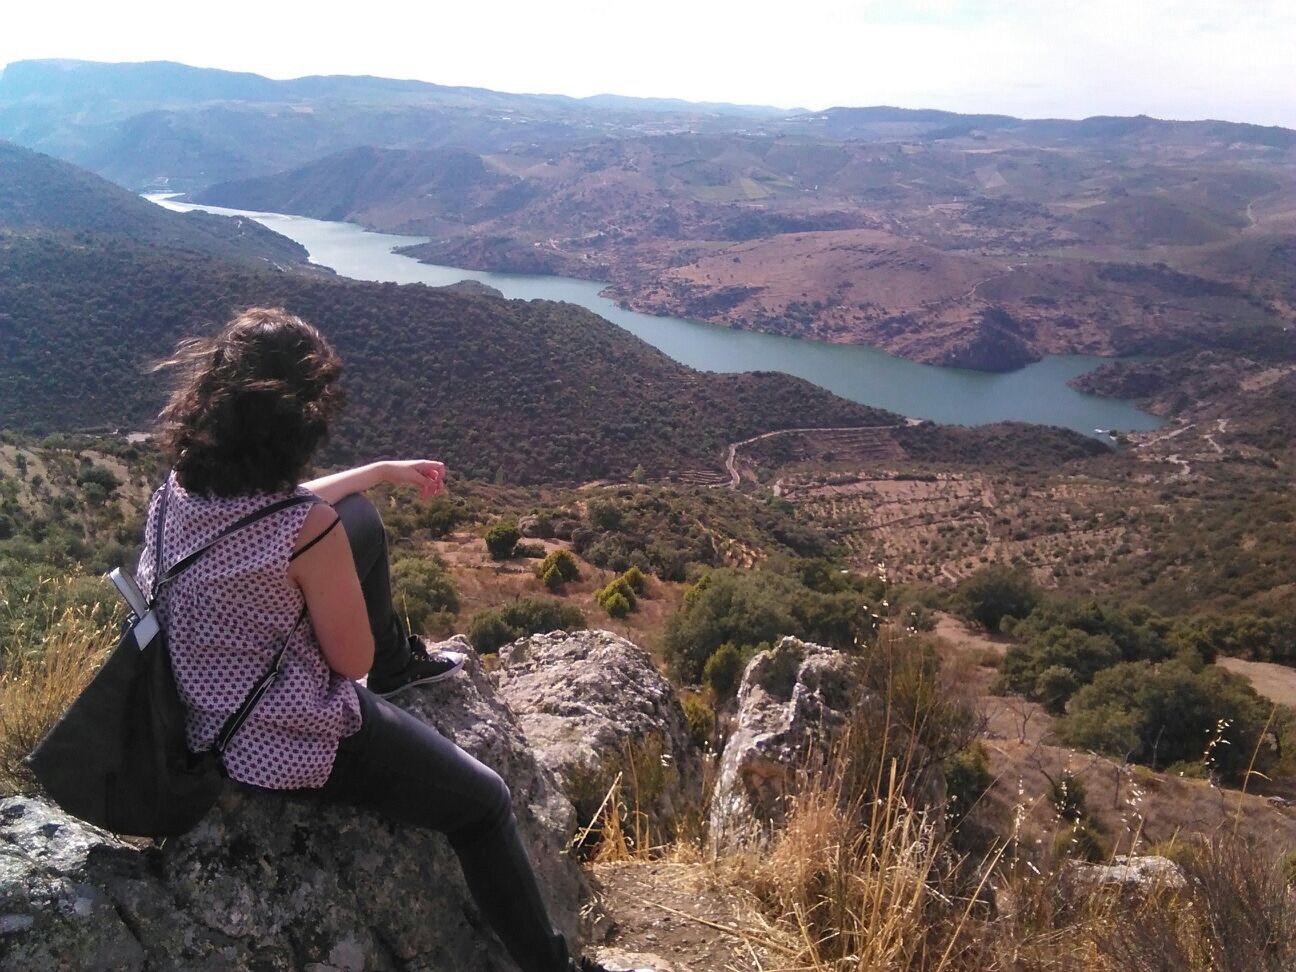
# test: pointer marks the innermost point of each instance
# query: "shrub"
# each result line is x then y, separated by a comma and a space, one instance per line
995, 593
967, 777
700, 717
100, 476
502, 539
1162, 714
616, 605
1079, 841
618, 587
552, 579
723, 670
747, 608
426, 593
1067, 794
604, 515
560, 561
636, 579
490, 630
531, 551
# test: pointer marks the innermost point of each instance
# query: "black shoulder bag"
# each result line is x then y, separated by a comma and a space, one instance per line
118, 757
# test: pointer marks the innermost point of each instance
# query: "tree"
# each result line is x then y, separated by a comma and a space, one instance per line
502, 538
1168, 713
995, 593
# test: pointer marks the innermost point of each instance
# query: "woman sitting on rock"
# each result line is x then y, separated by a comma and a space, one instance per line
241, 425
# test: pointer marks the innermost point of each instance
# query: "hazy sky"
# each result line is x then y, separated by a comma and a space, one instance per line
1230, 59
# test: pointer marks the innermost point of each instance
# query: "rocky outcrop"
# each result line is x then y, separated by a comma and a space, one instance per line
793, 699
270, 882
593, 704
793, 704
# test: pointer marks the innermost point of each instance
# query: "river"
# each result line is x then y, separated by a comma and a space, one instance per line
1035, 393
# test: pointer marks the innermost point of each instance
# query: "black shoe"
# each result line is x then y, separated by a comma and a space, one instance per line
423, 668
586, 964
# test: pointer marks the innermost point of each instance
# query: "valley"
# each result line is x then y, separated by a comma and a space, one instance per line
998, 412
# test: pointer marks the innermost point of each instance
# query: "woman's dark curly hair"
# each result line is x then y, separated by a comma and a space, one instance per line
250, 405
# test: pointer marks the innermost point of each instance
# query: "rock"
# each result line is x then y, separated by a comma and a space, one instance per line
270, 882
1135, 875
793, 702
793, 698
618, 961
582, 698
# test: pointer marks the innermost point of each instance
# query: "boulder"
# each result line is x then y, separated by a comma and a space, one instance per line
593, 704
793, 701
270, 882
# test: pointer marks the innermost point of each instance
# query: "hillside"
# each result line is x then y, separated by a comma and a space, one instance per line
44, 194
522, 392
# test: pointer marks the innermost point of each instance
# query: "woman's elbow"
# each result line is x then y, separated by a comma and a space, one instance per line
354, 657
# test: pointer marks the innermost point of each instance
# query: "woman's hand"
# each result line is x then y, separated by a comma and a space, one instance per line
426, 474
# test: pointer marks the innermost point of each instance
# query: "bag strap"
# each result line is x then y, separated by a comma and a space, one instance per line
162, 578
235, 722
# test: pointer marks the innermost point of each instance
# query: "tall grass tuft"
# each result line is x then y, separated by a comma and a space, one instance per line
49, 662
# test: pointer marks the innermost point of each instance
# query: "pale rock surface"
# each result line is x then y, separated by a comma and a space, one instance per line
792, 704
793, 699
1132, 874
272, 883
583, 697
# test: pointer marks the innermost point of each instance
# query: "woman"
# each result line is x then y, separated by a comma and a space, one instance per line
248, 410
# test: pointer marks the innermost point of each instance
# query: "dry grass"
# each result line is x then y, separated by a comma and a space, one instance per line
42, 676
869, 885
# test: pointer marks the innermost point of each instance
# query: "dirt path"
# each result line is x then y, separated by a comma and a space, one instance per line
672, 918
731, 458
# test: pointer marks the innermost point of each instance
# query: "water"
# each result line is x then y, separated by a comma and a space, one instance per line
1035, 393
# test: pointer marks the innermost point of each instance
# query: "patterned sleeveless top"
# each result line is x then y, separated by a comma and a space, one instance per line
224, 619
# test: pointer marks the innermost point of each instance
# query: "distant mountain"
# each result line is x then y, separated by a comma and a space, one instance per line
883, 121
159, 124
41, 193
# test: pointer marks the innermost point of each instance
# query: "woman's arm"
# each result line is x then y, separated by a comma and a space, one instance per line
327, 577
427, 474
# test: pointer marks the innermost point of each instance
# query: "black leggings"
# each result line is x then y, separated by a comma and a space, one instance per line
404, 769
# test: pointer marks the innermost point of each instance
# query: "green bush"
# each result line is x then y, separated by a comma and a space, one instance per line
723, 670
552, 579
502, 539
426, 594
995, 593
1168, 713
967, 777
529, 551
618, 587
700, 717
1067, 794
561, 561
1080, 841
100, 476
616, 605
747, 608
490, 630
636, 579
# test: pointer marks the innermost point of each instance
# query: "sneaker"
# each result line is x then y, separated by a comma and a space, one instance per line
423, 668
586, 964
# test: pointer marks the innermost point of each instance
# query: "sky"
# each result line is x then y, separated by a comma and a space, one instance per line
1229, 59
